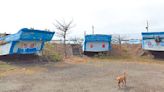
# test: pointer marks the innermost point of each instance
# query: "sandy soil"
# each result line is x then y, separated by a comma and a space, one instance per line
83, 77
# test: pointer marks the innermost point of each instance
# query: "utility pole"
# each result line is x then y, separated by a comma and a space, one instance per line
84, 33
92, 29
147, 27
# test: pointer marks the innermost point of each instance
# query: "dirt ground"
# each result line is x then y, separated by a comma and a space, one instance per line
90, 76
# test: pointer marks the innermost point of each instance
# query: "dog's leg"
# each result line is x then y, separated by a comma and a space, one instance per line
125, 82
119, 84
122, 83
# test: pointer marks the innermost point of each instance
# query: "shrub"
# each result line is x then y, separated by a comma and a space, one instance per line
50, 54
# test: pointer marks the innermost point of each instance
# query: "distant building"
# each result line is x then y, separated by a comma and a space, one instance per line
97, 43
134, 41
25, 41
153, 41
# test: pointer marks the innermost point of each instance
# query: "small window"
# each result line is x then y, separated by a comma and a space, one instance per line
103, 45
32, 45
25, 45
91, 45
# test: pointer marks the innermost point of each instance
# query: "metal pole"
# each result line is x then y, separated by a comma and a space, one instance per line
92, 29
147, 27
84, 33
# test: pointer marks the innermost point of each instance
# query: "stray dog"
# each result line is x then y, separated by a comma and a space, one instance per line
121, 79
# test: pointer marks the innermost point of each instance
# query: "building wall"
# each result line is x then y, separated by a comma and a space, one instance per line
5, 49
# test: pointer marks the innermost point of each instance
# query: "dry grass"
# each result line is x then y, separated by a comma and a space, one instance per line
9, 69
127, 59
17, 70
75, 59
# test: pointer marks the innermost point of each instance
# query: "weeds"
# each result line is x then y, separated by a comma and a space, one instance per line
50, 54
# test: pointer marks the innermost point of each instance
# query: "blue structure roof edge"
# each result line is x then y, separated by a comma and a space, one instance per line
152, 33
28, 35
98, 38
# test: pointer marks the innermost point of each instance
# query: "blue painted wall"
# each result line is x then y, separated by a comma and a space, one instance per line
97, 40
150, 42
26, 41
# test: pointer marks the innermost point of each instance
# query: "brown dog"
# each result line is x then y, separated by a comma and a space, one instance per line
121, 79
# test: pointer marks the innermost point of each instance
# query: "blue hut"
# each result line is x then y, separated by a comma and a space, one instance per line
25, 41
96, 43
153, 41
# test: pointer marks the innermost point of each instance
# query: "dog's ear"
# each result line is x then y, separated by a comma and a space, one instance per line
125, 73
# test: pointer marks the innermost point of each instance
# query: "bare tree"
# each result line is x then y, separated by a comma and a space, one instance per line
63, 28
76, 40
118, 39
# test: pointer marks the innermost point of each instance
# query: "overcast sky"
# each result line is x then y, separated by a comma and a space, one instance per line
107, 16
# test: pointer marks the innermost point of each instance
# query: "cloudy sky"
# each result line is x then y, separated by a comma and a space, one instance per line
107, 16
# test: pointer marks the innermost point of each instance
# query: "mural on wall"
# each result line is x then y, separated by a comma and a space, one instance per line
153, 41
27, 47
97, 46
153, 45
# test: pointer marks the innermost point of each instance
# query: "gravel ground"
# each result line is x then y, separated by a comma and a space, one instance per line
87, 77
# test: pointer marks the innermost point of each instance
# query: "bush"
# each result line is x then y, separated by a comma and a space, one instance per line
50, 54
